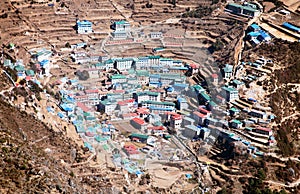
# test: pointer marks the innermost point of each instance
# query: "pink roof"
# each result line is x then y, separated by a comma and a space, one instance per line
91, 91
81, 96
122, 103
130, 147
176, 117
103, 92
125, 102
82, 106
264, 129
203, 110
194, 66
171, 113
119, 91
220, 97
89, 134
199, 114
139, 121
130, 115
142, 111
214, 75
157, 128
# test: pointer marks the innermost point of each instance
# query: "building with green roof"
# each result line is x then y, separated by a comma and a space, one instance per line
244, 10
157, 104
146, 96
29, 72
20, 68
230, 93
142, 73
236, 124
121, 25
141, 137
203, 98
118, 78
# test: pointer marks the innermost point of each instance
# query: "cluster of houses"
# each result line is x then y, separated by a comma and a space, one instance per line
40, 66
156, 101
151, 94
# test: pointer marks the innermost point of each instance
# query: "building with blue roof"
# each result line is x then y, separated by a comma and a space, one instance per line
44, 63
165, 104
155, 84
89, 146
160, 110
84, 27
254, 28
291, 27
191, 131
253, 34
204, 133
182, 103
67, 107
264, 36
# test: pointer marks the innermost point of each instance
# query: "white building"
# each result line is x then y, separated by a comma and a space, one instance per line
107, 106
123, 64
166, 62
119, 35
121, 26
109, 64
84, 27
191, 131
154, 60
118, 78
146, 96
156, 35
230, 93
142, 63
155, 104
227, 71
176, 121
93, 73
182, 103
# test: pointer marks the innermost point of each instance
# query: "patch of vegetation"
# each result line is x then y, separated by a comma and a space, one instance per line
83, 75
199, 12
216, 46
277, 4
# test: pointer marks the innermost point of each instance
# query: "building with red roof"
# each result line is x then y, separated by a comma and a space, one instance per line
220, 99
138, 123
204, 111
128, 116
82, 107
156, 130
130, 149
194, 67
199, 117
215, 78
175, 121
125, 105
81, 98
263, 131
143, 112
